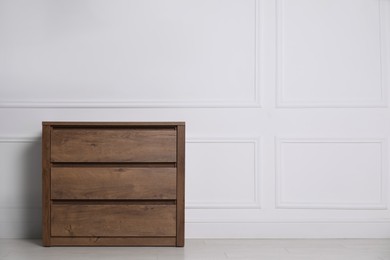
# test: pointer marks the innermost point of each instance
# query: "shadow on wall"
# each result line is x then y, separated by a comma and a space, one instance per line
31, 190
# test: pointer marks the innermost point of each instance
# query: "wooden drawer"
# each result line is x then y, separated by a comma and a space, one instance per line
83, 220
113, 145
80, 183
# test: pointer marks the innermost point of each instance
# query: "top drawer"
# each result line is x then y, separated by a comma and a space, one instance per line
113, 145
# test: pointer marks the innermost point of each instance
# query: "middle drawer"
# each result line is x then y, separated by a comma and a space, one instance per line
113, 183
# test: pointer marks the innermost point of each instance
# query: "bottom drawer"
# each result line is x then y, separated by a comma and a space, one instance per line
72, 220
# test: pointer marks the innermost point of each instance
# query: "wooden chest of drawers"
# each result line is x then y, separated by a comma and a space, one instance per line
110, 184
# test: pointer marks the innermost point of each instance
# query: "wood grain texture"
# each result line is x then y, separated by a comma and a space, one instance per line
113, 183
46, 185
113, 220
113, 241
113, 145
180, 186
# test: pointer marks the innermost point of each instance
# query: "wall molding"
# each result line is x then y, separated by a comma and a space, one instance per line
256, 203
19, 139
282, 102
380, 205
136, 103
289, 220
128, 104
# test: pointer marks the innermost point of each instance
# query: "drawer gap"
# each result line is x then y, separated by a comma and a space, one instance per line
114, 164
114, 202
116, 236
118, 126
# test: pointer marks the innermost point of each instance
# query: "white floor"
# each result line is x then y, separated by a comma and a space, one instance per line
277, 249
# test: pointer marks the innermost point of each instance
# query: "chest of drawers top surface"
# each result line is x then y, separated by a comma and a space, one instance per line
113, 183
110, 124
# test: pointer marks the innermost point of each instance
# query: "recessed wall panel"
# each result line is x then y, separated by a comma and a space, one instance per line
221, 174
130, 53
330, 53
331, 174
20, 188
20, 178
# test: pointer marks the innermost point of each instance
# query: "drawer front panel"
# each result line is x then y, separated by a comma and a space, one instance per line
113, 145
113, 220
113, 183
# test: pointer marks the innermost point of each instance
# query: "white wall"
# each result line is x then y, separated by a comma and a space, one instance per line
286, 104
